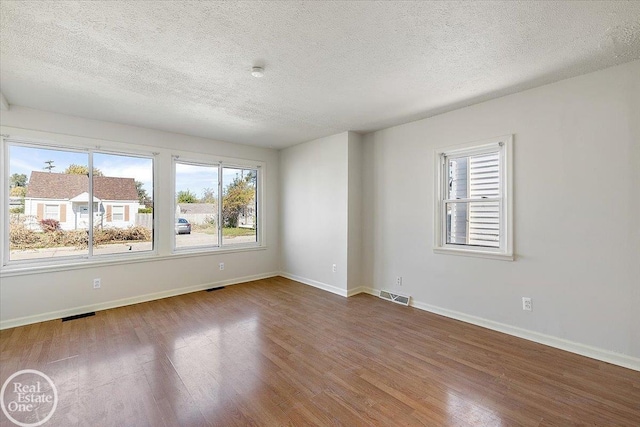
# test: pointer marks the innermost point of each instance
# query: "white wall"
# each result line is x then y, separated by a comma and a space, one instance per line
354, 221
314, 212
577, 213
321, 224
36, 296
577, 204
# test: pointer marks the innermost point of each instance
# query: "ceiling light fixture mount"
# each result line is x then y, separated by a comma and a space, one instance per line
257, 72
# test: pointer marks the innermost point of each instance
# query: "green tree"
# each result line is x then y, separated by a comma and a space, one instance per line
238, 194
208, 196
74, 169
186, 196
143, 197
18, 180
18, 192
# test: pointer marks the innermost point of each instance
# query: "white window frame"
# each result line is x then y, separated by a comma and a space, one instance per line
63, 262
504, 146
164, 208
221, 164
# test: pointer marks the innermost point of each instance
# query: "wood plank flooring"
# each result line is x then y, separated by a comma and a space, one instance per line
275, 352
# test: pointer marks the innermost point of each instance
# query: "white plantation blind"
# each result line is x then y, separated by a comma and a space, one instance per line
473, 200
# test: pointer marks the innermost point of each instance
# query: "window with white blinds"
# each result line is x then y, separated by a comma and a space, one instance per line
473, 206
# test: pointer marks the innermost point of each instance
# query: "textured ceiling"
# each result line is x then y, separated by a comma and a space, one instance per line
329, 66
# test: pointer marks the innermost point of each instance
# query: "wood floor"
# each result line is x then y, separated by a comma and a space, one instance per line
275, 352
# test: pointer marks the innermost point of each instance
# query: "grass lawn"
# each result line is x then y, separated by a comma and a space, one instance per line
234, 232
226, 231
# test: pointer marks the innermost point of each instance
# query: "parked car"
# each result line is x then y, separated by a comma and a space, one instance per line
183, 226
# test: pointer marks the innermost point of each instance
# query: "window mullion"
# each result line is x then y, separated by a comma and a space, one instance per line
90, 202
444, 188
468, 219
220, 220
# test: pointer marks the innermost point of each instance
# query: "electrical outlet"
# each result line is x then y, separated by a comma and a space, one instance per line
334, 268
221, 265
97, 283
526, 304
399, 281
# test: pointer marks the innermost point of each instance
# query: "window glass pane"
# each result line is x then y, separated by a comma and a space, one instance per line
239, 205
122, 204
473, 223
196, 214
458, 178
457, 223
118, 213
52, 212
43, 187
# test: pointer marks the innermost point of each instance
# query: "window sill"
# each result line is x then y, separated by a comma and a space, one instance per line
473, 253
76, 264
210, 250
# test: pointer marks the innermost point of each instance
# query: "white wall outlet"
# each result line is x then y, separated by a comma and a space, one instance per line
399, 281
334, 268
526, 304
97, 283
221, 265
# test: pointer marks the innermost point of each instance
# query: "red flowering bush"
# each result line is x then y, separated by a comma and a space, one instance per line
49, 225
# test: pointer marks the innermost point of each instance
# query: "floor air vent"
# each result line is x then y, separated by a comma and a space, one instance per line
398, 299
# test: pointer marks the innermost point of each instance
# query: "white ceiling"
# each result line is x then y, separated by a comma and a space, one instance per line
329, 66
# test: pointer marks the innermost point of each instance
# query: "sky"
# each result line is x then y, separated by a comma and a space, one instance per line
195, 178
24, 160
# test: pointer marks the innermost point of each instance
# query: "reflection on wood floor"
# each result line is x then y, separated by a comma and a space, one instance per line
276, 352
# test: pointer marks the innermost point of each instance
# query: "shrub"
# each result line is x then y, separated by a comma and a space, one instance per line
77, 238
20, 237
145, 210
51, 239
49, 225
110, 235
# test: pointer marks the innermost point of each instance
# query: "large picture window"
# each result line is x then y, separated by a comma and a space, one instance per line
239, 205
216, 205
84, 203
473, 207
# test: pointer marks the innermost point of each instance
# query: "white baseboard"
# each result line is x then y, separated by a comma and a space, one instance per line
53, 315
316, 284
356, 291
596, 353
560, 343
